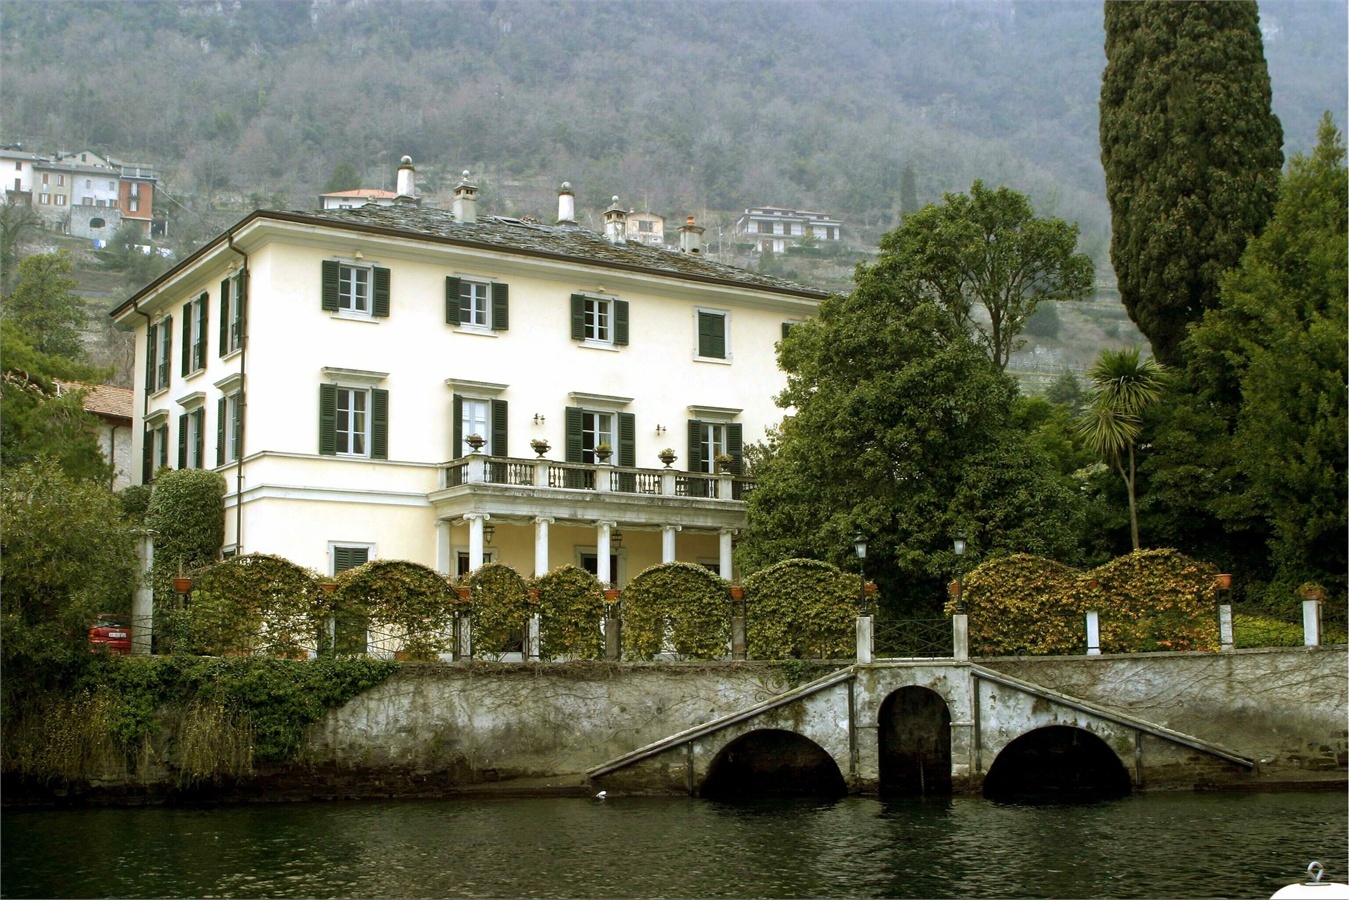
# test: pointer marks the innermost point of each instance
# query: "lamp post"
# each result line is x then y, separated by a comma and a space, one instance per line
859, 543
960, 574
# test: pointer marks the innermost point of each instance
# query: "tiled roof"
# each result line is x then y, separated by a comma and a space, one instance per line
553, 240
103, 399
362, 192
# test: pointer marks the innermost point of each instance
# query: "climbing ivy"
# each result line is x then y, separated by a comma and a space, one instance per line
680, 604
800, 607
571, 607
501, 604
1024, 603
404, 605
256, 604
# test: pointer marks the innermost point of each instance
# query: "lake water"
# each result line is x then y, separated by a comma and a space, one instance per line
1171, 845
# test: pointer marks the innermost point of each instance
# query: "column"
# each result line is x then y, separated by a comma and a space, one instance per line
475, 539
1311, 623
960, 637
541, 524
726, 561
143, 601
667, 542
1093, 633
444, 563
866, 641
1225, 640
602, 572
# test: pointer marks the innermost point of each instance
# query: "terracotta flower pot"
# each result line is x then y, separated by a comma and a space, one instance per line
1222, 582
953, 588
611, 595
182, 585
465, 593
871, 588
329, 586
737, 592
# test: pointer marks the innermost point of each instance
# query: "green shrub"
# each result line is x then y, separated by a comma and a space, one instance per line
683, 603
135, 500
501, 604
1157, 600
257, 604
800, 607
408, 607
187, 513
1024, 603
571, 607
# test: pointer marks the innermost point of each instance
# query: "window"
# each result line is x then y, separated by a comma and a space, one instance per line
194, 335
60, 180
134, 198
473, 420
587, 429
112, 185
44, 199
477, 305
229, 428
159, 341
348, 556
462, 566
708, 439
351, 631
232, 294
60, 199
45, 178
357, 289
645, 226
191, 439
88, 183
599, 320
155, 451
711, 334
484, 417
353, 421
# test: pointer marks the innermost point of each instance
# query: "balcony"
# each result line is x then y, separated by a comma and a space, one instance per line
505, 487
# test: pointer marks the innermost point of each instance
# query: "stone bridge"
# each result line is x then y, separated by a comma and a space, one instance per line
923, 727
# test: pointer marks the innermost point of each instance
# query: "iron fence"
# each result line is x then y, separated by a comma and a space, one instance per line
913, 638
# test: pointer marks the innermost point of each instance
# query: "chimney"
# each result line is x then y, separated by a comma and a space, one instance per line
615, 224
691, 238
465, 206
407, 179
566, 205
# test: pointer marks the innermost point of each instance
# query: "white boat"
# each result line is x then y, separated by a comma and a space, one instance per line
1313, 887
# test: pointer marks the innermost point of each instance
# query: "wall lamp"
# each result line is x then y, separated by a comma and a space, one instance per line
539, 419
487, 531
660, 429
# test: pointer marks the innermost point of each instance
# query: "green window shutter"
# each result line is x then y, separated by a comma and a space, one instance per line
627, 439
379, 423
786, 327
220, 432
187, 339
735, 445
712, 335
349, 558
501, 308
182, 441
328, 419
224, 317
457, 407
241, 304
151, 345
148, 457
621, 323
694, 461
238, 426
199, 419
165, 331
381, 305
451, 300
574, 452
203, 320
330, 272
499, 428
578, 317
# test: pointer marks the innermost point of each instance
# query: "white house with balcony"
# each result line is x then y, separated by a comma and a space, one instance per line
410, 383
775, 228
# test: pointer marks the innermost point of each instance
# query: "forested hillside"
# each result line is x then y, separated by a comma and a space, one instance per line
700, 107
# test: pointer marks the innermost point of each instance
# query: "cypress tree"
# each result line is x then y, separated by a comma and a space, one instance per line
1192, 154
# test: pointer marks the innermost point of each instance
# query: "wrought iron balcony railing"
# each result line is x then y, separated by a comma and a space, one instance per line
598, 477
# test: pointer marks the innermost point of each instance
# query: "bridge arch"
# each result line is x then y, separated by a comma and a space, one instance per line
1057, 763
772, 762
914, 736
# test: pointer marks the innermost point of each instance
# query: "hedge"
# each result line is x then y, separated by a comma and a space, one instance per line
682, 604
571, 607
801, 608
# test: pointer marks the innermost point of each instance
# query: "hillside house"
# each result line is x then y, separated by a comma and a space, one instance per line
412, 383
775, 228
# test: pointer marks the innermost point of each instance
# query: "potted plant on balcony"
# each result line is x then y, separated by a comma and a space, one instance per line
475, 441
603, 451
724, 462
539, 446
667, 456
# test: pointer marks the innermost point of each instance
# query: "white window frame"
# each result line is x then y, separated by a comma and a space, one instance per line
351, 299
470, 424
725, 333
618, 572
162, 354
354, 545
715, 439
234, 330
601, 427
599, 320
351, 392
479, 294
192, 309
196, 436
233, 411
462, 561
159, 447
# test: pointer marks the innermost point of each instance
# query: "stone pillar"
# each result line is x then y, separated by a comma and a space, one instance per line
477, 468
541, 524
444, 559
613, 639
143, 600
463, 646
475, 539
1093, 633
532, 639
1311, 623
739, 646
727, 561
1225, 639
541, 472
667, 542
866, 641
602, 572
603, 483
960, 637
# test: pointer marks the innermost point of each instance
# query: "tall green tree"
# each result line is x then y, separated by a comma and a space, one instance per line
18, 223
1271, 362
45, 308
900, 429
1191, 152
989, 249
1124, 386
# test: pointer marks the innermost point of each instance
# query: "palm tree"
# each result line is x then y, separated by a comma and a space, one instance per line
1122, 387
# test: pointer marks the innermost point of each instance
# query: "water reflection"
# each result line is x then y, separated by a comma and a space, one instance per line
1145, 846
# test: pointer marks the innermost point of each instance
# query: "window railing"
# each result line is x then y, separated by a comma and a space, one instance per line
593, 477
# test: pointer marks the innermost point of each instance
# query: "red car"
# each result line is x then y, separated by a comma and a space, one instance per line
112, 633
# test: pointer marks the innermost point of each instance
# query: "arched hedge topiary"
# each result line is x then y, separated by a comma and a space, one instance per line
1024, 603
686, 602
405, 606
501, 605
800, 607
256, 603
1158, 600
571, 608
